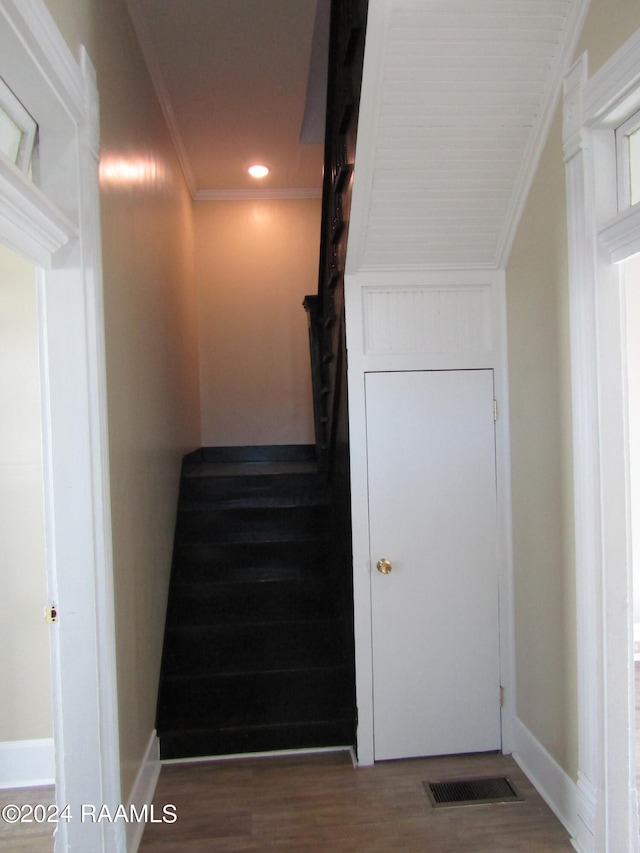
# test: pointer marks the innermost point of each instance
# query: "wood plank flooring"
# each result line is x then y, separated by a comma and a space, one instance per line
316, 803
320, 803
26, 837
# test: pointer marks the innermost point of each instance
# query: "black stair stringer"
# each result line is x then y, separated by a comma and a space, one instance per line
258, 647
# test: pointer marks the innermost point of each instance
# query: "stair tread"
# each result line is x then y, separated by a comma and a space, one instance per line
281, 467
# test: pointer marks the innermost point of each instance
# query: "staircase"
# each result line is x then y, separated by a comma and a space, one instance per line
258, 649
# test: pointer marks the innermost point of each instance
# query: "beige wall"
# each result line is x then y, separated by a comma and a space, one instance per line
256, 261
538, 329
25, 697
151, 348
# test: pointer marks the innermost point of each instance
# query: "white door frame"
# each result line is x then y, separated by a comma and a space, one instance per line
56, 225
382, 339
599, 236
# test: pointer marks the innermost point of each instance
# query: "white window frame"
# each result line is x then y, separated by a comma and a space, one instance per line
25, 124
623, 160
601, 234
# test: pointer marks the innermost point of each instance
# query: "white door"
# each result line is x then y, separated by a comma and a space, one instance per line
432, 505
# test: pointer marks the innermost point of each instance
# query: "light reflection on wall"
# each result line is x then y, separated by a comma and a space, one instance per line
145, 173
262, 214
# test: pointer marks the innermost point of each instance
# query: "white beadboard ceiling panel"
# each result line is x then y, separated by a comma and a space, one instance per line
451, 126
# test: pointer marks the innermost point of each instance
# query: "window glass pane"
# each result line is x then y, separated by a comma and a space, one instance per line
18, 130
10, 136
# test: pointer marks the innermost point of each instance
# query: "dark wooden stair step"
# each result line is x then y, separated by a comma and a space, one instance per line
199, 523
249, 699
262, 738
256, 652
239, 602
274, 454
258, 648
223, 561
253, 489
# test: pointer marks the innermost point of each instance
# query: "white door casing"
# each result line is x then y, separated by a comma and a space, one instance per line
435, 615
599, 236
397, 321
55, 223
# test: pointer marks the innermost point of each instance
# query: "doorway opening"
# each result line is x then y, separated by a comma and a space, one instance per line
26, 718
630, 272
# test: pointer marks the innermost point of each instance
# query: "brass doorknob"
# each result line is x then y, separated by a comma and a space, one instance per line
384, 566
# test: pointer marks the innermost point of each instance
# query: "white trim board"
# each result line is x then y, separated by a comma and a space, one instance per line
27, 763
543, 771
606, 817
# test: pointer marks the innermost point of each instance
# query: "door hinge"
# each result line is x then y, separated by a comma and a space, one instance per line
51, 614
501, 696
495, 410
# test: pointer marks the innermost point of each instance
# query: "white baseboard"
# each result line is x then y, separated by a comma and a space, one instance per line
27, 763
552, 783
143, 790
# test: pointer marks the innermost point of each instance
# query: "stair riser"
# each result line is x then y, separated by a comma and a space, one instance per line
256, 699
204, 525
256, 491
258, 739
248, 562
262, 601
254, 648
252, 454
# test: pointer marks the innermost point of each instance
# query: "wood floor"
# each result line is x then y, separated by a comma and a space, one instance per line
321, 803
26, 837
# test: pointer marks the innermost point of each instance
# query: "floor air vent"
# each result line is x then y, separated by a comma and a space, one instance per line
468, 792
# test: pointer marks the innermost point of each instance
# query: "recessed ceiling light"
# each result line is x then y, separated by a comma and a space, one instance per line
258, 171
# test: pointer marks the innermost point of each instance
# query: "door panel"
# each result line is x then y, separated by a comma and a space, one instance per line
432, 504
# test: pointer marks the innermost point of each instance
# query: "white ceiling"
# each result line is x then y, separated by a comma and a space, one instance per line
457, 99
232, 79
